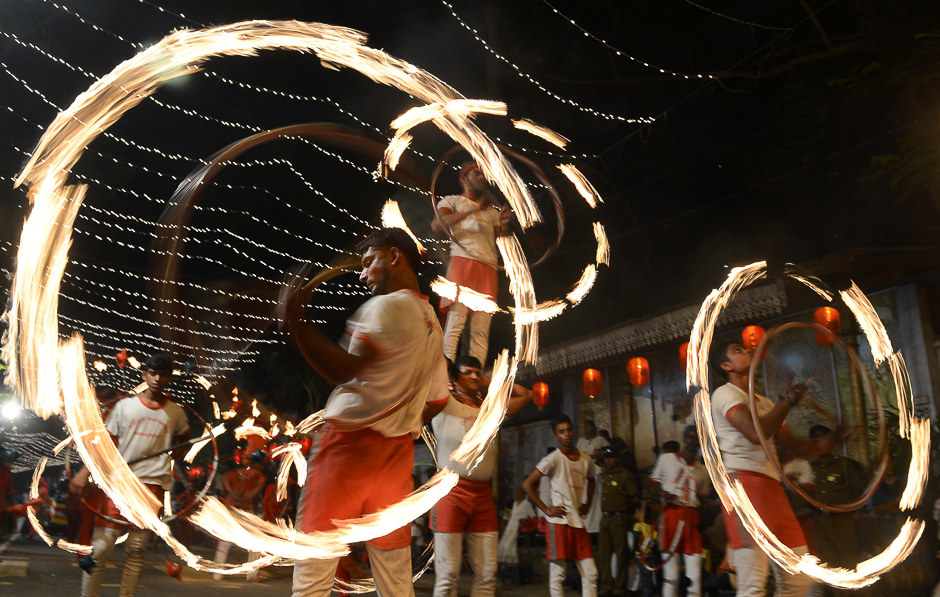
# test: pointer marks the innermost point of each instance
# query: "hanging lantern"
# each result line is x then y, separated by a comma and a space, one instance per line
830, 319
592, 383
751, 337
121, 358
684, 355
540, 394
638, 370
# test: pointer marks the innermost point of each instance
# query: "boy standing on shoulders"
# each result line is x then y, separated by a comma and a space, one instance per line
569, 470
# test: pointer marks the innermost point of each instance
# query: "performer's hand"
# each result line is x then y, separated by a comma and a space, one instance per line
583, 510
796, 393
555, 511
79, 482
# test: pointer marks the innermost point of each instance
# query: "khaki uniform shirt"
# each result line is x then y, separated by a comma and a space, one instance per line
617, 490
840, 481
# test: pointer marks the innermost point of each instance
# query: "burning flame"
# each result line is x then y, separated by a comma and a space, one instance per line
216, 432
603, 248
293, 455
582, 184
475, 301
584, 284
392, 218
520, 286
524, 124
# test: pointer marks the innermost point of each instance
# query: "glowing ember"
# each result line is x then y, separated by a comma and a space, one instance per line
584, 284
582, 184
254, 409
248, 427
603, 248
100, 366
524, 124
475, 301
392, 218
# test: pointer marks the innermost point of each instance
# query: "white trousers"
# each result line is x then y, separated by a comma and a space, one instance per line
391, 569
693, 569
102, 546
753, 565
479, 332
557, 574
221, 556
448, 555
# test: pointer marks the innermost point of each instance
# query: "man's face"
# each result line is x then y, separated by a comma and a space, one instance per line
739, 359
475, 181
469, 380
375, 270
611, 462
157, 380
691, 441
564, 435
589, 430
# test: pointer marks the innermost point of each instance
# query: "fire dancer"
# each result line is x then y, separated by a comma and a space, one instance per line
242, 485
745, 460
474, 221
570, 470
390, 371
139, 426
468, 510
682, 480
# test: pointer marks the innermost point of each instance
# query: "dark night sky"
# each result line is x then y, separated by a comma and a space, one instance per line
777, 158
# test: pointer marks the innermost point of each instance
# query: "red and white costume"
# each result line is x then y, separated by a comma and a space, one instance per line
467, 512
686, 480
138, 430
567, 539
592, 521
747, 463
361, 472
473, 265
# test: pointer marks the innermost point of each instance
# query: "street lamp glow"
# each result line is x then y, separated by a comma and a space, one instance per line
10, 410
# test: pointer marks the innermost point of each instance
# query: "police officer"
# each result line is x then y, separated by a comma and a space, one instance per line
618, 495
837, 480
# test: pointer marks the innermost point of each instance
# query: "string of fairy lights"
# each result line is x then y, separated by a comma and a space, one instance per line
117, 228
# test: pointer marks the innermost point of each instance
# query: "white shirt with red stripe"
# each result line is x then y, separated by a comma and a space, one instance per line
569, 478
142, 430
403, 330
476, 233
450, 426
737, 452
680, 478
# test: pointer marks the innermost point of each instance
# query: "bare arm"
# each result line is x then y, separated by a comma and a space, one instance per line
431, 411
324, 355
450, 218
770, 422
518, 397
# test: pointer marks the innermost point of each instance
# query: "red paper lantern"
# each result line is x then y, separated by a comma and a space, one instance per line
540, 394
638, 370
684, 355
307, 443
592, 383
751, 337
121, 358
830, 319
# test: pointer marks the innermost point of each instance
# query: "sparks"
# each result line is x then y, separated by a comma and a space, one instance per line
584, 285
603, 248
475, 301
524, 124
392, 218
582, 184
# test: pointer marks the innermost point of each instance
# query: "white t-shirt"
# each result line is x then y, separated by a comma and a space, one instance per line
592, 521
545, 493
476, 233
142, 430
449, 428
737, 452
680, 478
404, 331
569, 478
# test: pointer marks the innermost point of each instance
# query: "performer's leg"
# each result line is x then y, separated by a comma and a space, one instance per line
588, 572
556, 578
134, 550
221, 556
670, 575
448, 554
619, 534
481, 548
456, 319
693, 569
392, 571
792, 585
752, 566
102, 545
605, 542
314, 578
480, 334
